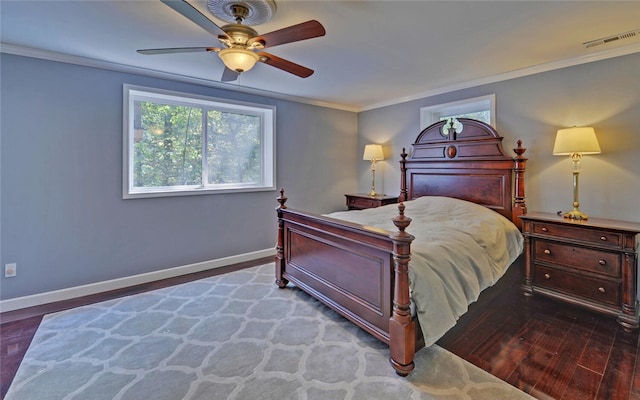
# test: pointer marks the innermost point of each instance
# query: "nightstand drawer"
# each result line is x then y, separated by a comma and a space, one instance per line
359, 202
362, 201
597, 261
602, 291
594, 236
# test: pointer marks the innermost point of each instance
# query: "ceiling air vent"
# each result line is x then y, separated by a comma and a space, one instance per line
614, 38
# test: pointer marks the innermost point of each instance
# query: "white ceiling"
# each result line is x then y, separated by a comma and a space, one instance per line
374, 53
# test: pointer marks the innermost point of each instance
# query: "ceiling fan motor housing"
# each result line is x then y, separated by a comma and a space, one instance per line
239, 35
248, 12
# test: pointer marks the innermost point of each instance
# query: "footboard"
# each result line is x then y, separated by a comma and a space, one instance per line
361, 272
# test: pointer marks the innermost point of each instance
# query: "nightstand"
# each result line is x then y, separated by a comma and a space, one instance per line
360, 201
590, 263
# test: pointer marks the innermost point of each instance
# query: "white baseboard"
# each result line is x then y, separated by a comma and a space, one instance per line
113, 284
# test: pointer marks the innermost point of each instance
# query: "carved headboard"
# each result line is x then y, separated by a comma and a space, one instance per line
464, 158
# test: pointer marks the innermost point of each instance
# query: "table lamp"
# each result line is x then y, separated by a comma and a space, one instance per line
575, 142
373, 153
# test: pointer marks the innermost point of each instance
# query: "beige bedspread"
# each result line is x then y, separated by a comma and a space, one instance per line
460, 249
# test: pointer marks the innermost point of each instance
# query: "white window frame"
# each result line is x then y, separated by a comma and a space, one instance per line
267, 115
433, 114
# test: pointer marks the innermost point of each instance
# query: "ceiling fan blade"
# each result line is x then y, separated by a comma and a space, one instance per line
294, 33
228, 75
285, 65
177, 50
195, 16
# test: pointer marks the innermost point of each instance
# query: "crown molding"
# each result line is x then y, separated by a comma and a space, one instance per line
570, 62
111, 66
90, 62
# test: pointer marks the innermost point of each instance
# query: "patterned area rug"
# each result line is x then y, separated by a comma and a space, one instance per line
234, 336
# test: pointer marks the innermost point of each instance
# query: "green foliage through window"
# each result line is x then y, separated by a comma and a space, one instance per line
168, 152
185, 144
233, 147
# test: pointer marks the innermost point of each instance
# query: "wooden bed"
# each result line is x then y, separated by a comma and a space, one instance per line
362, 272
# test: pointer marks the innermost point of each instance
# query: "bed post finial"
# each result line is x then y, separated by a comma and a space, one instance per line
520, 166
402, 328
401, 221
403, 176
280, 260
282, 199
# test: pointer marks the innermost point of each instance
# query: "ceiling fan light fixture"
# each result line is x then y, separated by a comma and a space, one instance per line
238, 59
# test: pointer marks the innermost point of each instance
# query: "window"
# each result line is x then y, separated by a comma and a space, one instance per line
480, 108
182, 144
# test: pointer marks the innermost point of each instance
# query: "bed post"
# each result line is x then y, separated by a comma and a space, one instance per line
519, 203
402, 328
403, 176
280, 260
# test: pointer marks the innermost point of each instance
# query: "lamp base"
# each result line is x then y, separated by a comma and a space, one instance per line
575, 214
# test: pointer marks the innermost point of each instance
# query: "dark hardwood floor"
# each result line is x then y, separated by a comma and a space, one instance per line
547, 349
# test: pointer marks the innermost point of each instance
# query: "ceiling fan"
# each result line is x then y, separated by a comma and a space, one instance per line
242, 44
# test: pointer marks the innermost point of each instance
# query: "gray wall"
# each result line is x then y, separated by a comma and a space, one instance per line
64, 222
63, 219
603, 94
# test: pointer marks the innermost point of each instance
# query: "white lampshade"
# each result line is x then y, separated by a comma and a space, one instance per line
373, 152
581, 140
237, 59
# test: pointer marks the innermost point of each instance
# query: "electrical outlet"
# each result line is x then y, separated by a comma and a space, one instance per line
10, 270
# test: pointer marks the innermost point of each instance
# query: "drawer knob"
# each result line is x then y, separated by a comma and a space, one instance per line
603, 238
547, 276
601, 289
544, 229
547, 251
602, 262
